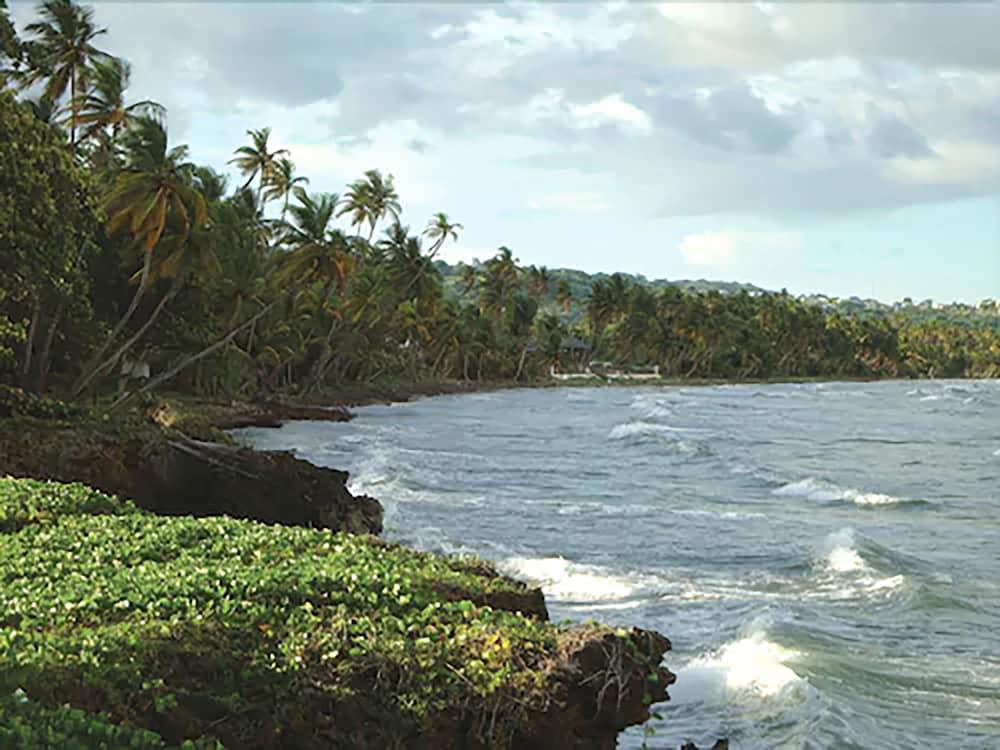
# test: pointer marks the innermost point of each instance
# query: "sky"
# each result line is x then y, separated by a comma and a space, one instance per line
846, 149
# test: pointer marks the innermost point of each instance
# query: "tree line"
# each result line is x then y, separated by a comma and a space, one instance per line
119, 252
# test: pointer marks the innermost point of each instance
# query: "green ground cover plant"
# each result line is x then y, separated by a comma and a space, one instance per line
226, 629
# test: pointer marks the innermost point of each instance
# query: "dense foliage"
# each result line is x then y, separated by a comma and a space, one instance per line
122, 258
230, 629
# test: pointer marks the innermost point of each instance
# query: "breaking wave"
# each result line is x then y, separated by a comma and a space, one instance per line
749, 667
823, 491
566, 581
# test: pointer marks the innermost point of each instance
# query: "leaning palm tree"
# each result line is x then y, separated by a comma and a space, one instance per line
102, 108
154, 192
283, 182
440, 229
257, 160
61, 51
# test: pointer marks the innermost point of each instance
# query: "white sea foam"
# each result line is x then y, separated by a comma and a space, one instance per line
751, 667
630, 430
841, 557
564, 580
996, 452
845, 574
822, 491
643, 428
811, 488
659, 412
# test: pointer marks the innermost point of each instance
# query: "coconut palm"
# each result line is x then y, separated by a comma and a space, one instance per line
408, 271
154, 192
319, 252
283, 182
61, 51
257, 159
371, 199
102, 106
499, 282
440, 229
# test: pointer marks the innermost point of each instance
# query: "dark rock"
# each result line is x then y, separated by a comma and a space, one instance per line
530, 601
603, 689
170, 474
275, 414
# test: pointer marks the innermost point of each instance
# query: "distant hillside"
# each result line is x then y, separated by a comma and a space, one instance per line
985, 314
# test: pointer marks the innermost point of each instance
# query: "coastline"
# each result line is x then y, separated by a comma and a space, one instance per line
591, 682
335, 404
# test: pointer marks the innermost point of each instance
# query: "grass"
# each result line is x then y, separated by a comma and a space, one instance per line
172, 629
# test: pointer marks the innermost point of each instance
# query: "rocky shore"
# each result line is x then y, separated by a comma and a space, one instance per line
590, 682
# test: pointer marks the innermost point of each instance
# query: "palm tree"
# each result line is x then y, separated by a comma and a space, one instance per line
256, 159
439, 229
103, 105
61, 51
406, 267
153, 193
499, 282
283, 182
370, 200
319, 253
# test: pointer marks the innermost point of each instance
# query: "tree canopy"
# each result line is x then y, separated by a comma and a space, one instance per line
117, 249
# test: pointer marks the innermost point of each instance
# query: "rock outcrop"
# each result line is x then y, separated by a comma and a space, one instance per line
171, 474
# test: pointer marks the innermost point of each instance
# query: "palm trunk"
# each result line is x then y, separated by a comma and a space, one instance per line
110, 362
44, 360
72, 111
91, 368
193, 358
321, 366
250, 339
29, 345
520, 364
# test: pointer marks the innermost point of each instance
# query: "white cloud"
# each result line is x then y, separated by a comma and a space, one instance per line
728, 249
611, 109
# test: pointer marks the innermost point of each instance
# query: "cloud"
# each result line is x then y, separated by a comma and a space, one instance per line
611, 109
723, 250
781, 110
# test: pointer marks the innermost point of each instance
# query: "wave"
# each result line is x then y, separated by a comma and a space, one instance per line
845, 573
820, 490
678, 440
840, 555
642, 428
566, 581
751, 666
659, 412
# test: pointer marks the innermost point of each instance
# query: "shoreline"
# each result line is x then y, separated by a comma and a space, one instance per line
335, 405
585, 683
